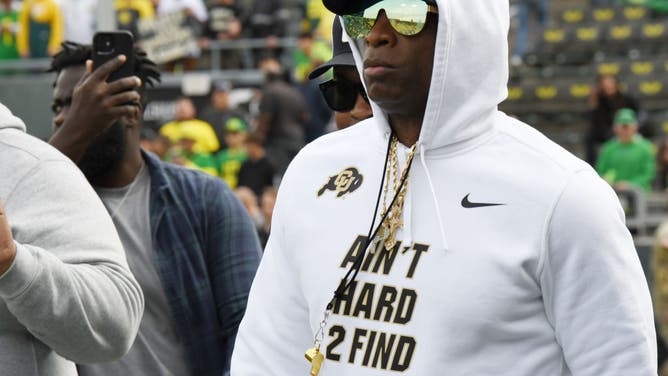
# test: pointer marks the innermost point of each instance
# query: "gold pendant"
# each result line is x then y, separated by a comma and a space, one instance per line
316, 358
394, 223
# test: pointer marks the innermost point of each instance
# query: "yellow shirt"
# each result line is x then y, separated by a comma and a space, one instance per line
125, 9
315, 9
198, 130
42, 11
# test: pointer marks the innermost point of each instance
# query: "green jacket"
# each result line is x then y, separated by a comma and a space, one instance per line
633, 162
658, 5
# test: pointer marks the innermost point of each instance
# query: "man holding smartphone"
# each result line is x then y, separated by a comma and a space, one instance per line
188, 240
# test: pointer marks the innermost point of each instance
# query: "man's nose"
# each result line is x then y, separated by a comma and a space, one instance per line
382, 32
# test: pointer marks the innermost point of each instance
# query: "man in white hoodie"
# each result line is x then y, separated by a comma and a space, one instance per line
462, 241
66, 292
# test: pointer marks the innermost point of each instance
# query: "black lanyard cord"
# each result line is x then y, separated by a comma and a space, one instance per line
355, 268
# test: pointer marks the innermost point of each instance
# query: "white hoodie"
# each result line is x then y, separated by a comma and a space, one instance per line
547, 284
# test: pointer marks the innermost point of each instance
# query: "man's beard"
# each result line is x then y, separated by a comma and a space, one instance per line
104, 153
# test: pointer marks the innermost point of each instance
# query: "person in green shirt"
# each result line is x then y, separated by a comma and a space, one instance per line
185, 153
231, 158
310, 53
9, 24
628, 159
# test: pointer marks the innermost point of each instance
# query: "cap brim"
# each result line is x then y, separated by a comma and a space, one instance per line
343, 7
341, 60
347, 6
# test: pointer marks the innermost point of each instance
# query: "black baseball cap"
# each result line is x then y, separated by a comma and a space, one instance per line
342, 55
343, 7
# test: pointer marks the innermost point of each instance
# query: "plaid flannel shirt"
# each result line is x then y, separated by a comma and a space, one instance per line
207, 252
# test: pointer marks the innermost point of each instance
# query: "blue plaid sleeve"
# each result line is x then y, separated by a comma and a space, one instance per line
233, 255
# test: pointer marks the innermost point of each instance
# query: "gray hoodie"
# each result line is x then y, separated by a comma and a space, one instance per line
69, 296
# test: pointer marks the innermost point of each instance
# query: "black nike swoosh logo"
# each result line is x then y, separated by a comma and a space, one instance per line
470, 205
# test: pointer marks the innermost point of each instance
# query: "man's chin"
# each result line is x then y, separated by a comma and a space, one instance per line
104, 154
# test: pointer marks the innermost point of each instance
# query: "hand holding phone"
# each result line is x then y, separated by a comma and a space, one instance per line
102, 96
107, 45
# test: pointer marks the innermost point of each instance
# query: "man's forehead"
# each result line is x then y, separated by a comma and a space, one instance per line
67, 80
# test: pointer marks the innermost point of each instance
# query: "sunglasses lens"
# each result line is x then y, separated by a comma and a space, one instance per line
357, 26
407, 17
340, 96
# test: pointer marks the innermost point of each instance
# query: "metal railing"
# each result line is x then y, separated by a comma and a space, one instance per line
247, 74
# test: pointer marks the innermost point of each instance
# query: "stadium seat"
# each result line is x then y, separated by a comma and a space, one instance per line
651, 87
641, 69
637, 13
614, 68
604, 15
574, 16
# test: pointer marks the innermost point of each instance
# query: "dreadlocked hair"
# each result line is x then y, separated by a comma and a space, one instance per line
73, 53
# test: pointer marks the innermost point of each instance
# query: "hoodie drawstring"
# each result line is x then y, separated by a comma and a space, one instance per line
441, 225
407, 217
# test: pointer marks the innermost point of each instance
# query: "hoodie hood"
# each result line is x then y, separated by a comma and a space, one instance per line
8, 120
469, 80
470, 72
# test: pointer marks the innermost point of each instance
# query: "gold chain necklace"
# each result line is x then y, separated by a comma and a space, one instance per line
386, 231
393, 221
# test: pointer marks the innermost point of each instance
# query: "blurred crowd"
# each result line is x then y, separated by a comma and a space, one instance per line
248, 147
36, 28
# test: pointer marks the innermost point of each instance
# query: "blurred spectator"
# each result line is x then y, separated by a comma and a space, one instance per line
319, 19
309, 54
528, 10
264, 22
267, 202
219, 111
40, 28
251, 203
130, 12
224, 23
282, 118
183, 153
662, 165
229, 160
194, 8
256, 172
185, 121
627, 160
154, 142
79, 18
605, 100
197, 15
9, 25
344, 94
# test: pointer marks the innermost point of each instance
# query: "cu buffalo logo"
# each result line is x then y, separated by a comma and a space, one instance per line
346, 181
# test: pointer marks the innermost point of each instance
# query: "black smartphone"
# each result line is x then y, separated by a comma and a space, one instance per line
109, 44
